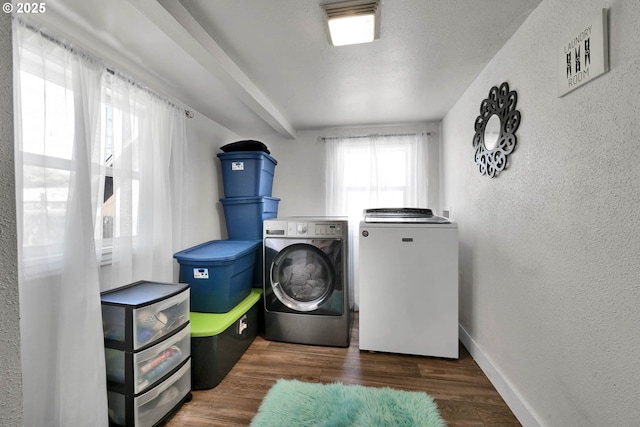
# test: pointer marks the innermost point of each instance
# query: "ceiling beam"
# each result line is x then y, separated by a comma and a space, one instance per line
173, 19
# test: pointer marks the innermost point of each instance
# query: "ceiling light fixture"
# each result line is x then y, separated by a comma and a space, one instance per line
352, 22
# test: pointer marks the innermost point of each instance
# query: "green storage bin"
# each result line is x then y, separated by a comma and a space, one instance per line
218, 340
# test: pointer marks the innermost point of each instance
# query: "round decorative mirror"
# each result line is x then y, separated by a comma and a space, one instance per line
495, 129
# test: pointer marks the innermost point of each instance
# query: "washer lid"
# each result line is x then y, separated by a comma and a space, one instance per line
403, 215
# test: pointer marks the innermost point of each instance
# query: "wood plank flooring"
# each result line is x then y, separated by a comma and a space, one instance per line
463, 393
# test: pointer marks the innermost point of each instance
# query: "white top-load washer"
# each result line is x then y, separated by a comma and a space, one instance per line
408, 282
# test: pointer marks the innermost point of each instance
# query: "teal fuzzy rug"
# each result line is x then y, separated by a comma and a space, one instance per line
296, 403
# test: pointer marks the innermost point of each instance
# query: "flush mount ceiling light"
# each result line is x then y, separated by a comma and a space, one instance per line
352, 22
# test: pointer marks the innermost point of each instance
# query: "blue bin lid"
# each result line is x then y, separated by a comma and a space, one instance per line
249, 199
217, 250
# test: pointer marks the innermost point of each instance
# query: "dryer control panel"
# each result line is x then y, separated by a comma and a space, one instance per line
305, 229
328, 229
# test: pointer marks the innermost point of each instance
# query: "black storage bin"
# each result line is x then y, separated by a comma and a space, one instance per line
218, 340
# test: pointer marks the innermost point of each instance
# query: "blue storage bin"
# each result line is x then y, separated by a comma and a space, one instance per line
258, 271
220, 272
244, 215
247, 173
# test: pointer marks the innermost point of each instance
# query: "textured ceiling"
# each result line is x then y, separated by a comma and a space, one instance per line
258, 66
428, 53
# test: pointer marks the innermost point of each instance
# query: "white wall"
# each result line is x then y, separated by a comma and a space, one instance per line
299, 175
10, 368
549, 250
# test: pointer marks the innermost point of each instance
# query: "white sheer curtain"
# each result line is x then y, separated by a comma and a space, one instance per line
100, 163
370, 172
149, 143
58, 187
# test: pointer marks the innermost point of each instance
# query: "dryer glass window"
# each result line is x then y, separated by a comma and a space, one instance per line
302, 277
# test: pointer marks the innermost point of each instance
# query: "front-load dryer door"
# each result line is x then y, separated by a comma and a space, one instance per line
302, 277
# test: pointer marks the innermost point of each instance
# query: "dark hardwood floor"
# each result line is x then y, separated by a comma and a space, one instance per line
463, 393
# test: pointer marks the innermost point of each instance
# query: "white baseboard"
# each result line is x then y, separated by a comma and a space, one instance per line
513, 399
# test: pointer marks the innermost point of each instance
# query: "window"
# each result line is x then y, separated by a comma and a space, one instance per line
47, 113
379, 171
121, 137
373, 172
48, 107
135, 146
366, 182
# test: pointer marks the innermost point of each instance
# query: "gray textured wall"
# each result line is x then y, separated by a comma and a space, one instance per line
550, 249
10, 369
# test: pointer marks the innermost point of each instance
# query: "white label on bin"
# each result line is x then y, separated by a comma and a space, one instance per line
237, 166
200, 273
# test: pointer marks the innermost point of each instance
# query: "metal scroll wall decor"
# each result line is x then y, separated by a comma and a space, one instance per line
495, 137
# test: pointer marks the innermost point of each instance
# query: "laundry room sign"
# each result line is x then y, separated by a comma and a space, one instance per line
583, 56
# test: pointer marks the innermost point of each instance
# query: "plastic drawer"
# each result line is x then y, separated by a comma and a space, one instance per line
151, 407
134, 327
151, 365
